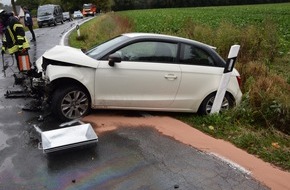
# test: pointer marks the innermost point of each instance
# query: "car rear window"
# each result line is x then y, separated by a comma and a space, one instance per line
195, 56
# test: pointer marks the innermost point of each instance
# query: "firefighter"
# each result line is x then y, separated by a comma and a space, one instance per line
14, 40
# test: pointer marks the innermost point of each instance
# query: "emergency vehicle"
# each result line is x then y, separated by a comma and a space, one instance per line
89, 9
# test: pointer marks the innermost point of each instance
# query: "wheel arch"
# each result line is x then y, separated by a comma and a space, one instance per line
61, 82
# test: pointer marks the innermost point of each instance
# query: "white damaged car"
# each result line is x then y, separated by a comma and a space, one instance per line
135, 71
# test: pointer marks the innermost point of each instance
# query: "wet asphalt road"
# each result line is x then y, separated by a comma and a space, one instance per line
127, 158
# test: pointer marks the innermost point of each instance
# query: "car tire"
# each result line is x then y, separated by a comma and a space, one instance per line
70, 103
207, 103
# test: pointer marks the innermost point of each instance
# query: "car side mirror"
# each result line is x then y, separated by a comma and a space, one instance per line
114, 58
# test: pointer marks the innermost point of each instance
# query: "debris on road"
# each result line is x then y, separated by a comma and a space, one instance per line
67, 137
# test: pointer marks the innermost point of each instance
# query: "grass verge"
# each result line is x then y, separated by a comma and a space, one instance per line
269, 144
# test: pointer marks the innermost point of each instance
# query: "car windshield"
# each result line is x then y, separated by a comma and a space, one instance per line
104, 46
65, 14
44, 11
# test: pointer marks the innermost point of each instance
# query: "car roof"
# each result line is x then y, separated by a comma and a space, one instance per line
48, 5
165, 37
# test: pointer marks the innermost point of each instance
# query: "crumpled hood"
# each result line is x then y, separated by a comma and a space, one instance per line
66, 54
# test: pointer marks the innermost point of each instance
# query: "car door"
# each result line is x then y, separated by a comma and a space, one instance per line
200, 77
147, 77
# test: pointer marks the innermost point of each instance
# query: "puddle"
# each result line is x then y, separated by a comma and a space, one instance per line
3, 139
6, 165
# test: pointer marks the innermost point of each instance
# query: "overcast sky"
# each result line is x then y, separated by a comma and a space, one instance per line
6, 2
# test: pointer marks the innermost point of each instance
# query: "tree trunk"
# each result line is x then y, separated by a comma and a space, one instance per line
14, 7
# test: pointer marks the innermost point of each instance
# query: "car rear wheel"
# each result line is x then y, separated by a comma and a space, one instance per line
207, 103
70, 103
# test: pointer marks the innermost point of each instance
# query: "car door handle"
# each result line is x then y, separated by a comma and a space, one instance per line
170, 76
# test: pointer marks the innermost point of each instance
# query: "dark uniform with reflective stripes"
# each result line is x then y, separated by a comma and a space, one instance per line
14, 39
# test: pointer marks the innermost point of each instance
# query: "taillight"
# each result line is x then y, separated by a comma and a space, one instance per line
239, 81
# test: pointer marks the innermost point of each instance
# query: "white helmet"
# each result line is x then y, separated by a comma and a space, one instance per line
2, 11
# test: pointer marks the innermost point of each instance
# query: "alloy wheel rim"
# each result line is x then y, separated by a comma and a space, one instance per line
225, 104
74, 104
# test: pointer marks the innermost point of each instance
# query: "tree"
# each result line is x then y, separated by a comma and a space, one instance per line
14, 7
56, 2
30, 4
104, 5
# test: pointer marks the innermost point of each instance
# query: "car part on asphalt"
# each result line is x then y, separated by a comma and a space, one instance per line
24, 91
67, 138
17, 94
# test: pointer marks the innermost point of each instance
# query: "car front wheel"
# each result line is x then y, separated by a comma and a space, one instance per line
70, 103
207, 103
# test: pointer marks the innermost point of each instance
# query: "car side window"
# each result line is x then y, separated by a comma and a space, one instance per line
195, 56
151, 51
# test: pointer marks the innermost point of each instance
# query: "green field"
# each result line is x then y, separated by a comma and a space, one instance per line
164, 20
171, 20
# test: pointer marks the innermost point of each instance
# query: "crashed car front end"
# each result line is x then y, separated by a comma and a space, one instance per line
40, 82
54, 70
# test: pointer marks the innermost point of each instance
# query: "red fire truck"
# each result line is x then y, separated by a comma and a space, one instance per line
89, 9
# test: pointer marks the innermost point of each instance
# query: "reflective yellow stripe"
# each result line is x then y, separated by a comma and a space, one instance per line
11, 35
20, 37
13, 50
26, 43
17, 25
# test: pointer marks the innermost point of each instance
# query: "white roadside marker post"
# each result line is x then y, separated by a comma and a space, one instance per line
225, 79
78, 30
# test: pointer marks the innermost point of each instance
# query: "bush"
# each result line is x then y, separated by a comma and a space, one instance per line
271, 102
267, 96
